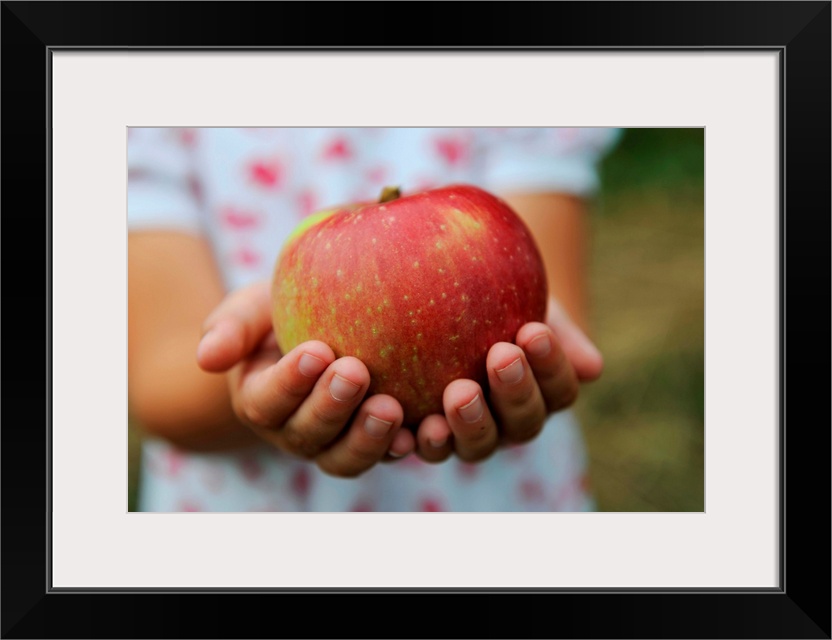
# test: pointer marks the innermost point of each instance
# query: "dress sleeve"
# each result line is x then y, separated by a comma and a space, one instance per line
545, 159
162, 190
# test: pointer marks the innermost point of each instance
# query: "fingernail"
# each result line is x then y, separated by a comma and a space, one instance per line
512, 374
376, 427
206, 343
590, 347
342, 389
472, 411
540, 346
437, 444
310, 365
394, 454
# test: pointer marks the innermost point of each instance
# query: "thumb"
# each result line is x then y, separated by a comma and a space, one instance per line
579, 349
235, 328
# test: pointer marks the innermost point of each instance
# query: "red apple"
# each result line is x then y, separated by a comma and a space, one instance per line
417, 287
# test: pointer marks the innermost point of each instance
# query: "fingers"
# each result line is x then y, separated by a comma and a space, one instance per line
369, 437
579, 349
265, 394
235, 328
403, 444
526, 381
515, 397
322, 416
434, 439
474, 430
553, 371
305, 402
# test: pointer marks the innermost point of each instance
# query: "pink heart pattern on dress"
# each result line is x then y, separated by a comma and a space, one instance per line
338, 149
452, 150
266, 173
238, 219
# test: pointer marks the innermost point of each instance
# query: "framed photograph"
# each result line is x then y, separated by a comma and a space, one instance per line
753, 78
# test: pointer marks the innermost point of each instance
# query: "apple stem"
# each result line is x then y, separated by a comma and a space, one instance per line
389, 193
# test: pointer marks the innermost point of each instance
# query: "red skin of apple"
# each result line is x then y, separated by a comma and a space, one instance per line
418, 288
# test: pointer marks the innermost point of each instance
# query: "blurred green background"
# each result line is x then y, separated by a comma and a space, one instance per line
644, 419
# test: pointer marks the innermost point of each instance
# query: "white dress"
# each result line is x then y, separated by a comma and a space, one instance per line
245, 190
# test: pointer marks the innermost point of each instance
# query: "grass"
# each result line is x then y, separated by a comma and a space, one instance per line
644, 419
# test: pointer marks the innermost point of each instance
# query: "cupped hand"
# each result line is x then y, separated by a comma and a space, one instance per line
537, 375
306, 402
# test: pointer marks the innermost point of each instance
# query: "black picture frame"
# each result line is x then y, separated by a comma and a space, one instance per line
798, 31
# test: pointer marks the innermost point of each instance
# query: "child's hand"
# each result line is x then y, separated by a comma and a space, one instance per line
527, 380
303, 402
